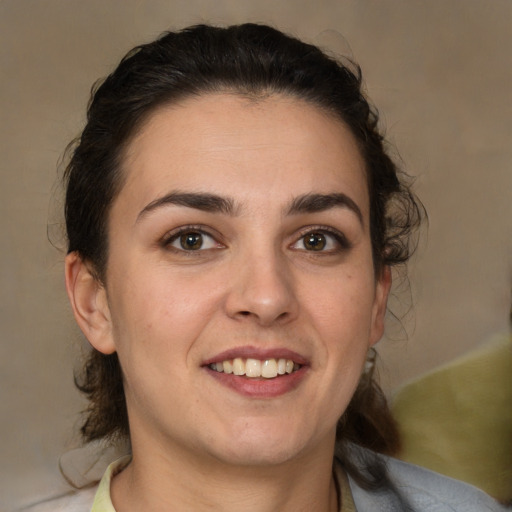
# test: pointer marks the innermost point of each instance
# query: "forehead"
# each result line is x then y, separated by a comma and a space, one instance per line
242, 147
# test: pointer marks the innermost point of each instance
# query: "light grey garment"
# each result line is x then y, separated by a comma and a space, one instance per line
79, 501
409, 489
416, 489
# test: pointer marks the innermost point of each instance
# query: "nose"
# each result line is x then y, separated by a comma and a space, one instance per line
262, 291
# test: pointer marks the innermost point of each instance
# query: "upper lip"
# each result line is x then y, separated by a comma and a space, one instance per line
262, 354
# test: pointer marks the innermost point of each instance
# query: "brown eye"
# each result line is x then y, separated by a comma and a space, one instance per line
191, 241
315, 241
322, 240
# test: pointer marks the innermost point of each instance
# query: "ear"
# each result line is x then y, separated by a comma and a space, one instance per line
380, 304
88, 299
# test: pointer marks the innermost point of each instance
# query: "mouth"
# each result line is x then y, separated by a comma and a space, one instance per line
256, 368
258, 373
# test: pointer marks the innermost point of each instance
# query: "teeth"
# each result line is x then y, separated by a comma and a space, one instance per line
254, 368
269, 369
227, 367
238, 366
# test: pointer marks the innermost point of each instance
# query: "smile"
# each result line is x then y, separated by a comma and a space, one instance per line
256, 368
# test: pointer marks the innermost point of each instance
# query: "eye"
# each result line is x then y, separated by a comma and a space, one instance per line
192, 240
314, 241
321, 240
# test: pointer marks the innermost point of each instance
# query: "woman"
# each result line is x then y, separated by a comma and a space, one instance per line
232, 218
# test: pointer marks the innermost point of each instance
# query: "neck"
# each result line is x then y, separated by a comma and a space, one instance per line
167, 480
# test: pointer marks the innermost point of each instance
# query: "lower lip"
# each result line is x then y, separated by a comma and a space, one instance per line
260, 387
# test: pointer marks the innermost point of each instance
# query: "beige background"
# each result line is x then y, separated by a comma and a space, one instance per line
439, 71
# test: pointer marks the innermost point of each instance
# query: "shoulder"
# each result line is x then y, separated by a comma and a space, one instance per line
410, 488
83, 469
78, 501
427, 490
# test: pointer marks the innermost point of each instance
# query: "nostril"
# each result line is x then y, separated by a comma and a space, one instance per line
245, 313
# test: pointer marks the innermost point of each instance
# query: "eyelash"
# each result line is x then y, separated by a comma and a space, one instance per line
339, 239
175, 235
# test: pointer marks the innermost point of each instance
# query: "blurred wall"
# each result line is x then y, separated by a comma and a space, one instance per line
440, 73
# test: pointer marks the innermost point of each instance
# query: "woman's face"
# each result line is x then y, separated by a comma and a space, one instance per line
240, 242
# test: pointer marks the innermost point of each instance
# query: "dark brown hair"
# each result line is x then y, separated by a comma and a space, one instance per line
251, 60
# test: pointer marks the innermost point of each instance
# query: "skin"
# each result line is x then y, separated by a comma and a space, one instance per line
254, 283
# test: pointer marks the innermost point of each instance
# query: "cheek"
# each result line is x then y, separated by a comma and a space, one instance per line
342, 317
161, 310
344, 331
343, 306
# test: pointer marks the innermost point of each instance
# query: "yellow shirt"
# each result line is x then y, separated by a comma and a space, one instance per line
103, 503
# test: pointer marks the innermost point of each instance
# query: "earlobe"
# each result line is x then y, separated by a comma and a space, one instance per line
380, 305
89, 303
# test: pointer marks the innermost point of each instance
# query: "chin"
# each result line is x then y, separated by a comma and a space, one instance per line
252, 455
263, 446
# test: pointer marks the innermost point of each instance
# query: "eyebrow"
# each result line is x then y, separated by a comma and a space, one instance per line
212, 203
200, 201
311, 203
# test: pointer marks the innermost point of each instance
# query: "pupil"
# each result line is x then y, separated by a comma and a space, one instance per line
315, 241
191, 241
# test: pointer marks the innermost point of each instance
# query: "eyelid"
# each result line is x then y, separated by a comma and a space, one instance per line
174, 234
339, 236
